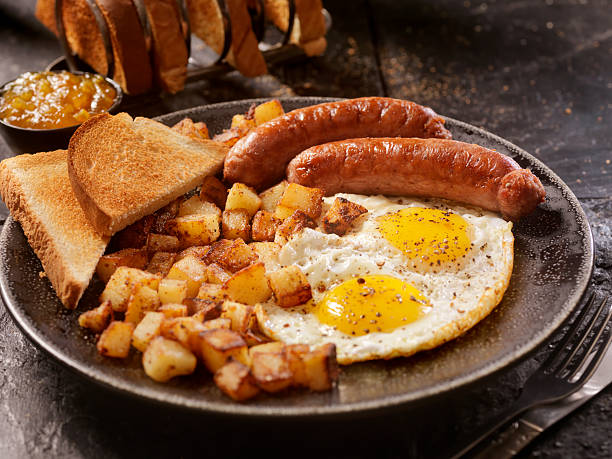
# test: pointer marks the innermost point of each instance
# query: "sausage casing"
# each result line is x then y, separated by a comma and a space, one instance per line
420, 167
259, 159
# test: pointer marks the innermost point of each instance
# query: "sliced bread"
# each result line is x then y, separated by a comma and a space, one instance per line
170, 54
132, 64
37, 191
82, 33
206, 22
123, 169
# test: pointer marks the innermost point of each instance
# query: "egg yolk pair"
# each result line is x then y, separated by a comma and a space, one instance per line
431, 239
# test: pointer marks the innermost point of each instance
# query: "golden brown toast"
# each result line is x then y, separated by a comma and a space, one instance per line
207, 24
169, 49
309, 25
123, 169
37, 191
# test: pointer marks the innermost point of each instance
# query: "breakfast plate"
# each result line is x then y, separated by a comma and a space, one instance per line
552, 266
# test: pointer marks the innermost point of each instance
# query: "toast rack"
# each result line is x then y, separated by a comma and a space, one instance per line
204, 63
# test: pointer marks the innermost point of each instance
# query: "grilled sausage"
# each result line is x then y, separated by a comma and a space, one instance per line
420, 167
260, 158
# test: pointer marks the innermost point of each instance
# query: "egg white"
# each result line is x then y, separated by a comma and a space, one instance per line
459, 296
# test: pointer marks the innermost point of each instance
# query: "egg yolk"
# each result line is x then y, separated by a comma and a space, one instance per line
375, 303
430, 238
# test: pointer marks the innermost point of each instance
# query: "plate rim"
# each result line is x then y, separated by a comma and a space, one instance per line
362, 407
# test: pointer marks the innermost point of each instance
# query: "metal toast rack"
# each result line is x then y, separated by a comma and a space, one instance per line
203, 61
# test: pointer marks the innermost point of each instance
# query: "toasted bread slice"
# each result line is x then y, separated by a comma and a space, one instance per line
37, 191
132, 65
82, 33
169, 49
122, 169
308, 27
244, 54
207, 22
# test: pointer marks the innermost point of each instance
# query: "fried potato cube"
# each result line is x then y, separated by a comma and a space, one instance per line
264, 226
97, 319
229, 137
148, 328
164, 359
161, 262
292, 225
290, 286
236, 223
181, 329
115, 340
172, 310
271, 347
187, 127
236, 381
210, 291
190, 269
219, 322
315, 368
206, 309
271, 370
215, 274
134, 235
233, 255
108, 264
142, 299
255, 337
163, 215
267, 253
119, 286
215, 347
241, 315
271, 197
196, 206
268, 111
162, 243
298, 197
340, 216
242, 196
214, 190
242, 123
198, 251
249, 285
195, 229
172, 290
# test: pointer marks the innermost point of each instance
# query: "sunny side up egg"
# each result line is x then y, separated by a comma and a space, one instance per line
409, 276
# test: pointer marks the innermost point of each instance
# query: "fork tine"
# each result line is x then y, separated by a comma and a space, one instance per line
578, 345
600, 352
569, 335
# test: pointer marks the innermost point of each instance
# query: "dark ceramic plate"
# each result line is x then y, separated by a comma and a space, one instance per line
553, 263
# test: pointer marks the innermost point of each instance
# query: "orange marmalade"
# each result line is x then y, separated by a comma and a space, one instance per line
51, 100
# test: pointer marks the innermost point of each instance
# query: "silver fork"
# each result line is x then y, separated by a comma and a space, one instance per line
564, 372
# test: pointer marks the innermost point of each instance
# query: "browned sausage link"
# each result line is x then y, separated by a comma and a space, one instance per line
420, 167
260, 158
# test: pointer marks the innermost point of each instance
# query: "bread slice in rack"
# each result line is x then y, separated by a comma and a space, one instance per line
82, 33
37, 191
207, 24
169, 49
308, 27
132, 63
123, 169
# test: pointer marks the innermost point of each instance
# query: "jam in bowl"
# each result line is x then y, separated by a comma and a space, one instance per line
39, 111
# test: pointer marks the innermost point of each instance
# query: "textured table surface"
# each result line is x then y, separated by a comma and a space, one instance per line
538, 73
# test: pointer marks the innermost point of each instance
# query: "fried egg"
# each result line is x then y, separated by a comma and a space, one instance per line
409, 276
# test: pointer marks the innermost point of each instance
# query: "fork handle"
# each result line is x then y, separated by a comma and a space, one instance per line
471, 447
510, 441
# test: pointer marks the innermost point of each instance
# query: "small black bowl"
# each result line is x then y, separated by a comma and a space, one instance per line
31, 140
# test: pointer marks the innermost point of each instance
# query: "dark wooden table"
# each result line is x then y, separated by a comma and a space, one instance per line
537, 73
